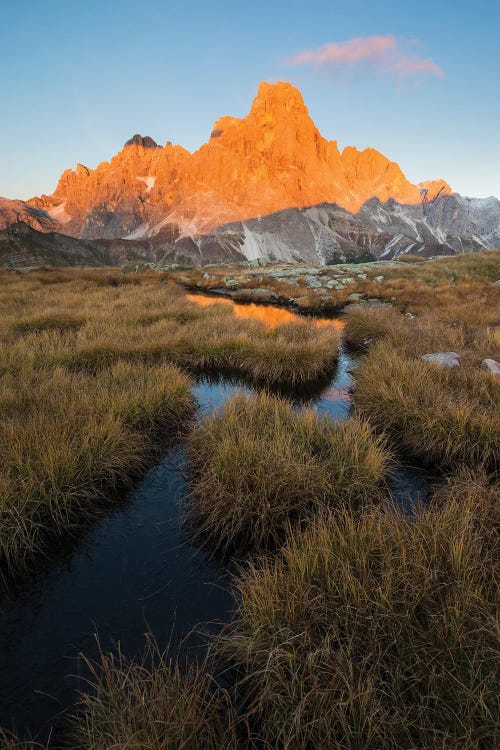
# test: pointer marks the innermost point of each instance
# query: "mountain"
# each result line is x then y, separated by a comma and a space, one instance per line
12, 211
273, 159
267, 185
321, 234
328, 233
22, 246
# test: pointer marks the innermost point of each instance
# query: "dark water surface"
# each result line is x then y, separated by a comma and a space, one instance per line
132, 571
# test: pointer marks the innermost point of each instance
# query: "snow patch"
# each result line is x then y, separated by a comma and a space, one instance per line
391, 244
59, 214
148, 181
186, 227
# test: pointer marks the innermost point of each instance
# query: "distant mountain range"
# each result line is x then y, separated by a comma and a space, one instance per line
265, 185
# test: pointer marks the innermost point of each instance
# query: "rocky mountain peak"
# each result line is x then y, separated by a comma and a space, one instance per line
431, 189
143, 141
272, 159
278, 98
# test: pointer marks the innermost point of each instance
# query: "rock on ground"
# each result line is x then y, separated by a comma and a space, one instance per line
444, 359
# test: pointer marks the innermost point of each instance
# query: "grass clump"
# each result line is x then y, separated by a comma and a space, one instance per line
259, 464
293, 353
377, 631
460, 327
152, 704
366, 326
91, 381
9, 741
57, 321
445, 417
69, 439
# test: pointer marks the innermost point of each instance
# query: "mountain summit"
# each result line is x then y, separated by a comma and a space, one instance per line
273, 159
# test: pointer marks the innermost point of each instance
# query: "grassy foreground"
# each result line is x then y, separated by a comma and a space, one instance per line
87, 320
153, 704
258, 465
374, 631
90, 382
447, 417
69, 439
369, 630
377, 632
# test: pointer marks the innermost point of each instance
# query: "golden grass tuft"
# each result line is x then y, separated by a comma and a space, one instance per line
67, 440
152, 704
89, 385
364, 326
446, 417
258, 465
377, 631
57, 321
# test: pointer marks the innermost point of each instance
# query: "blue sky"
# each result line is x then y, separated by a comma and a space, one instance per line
79, 78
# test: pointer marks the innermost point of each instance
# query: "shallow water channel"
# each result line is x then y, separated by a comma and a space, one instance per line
133, 571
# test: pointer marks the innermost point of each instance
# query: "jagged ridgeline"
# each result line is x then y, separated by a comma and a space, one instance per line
267, 185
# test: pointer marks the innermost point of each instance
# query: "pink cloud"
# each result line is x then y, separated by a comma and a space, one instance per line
367, 48
383, 53
407, 65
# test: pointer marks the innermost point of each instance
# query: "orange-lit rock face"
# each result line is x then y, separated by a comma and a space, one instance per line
267, 314
274, 158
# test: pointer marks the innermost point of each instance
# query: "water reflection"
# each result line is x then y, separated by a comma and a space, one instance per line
267, 314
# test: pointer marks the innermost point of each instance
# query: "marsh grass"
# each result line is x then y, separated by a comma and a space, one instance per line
469, 328
57, 321
366, 326
446, 417
258, 464
69, 440
90, 385
370, 629
10, 741
156, 703
433, 279
377, 631
96, 325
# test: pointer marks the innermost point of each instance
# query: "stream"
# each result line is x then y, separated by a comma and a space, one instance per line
134, 571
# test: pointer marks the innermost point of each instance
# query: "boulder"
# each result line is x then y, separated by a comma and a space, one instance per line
492, 365
443, 359
263, 294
